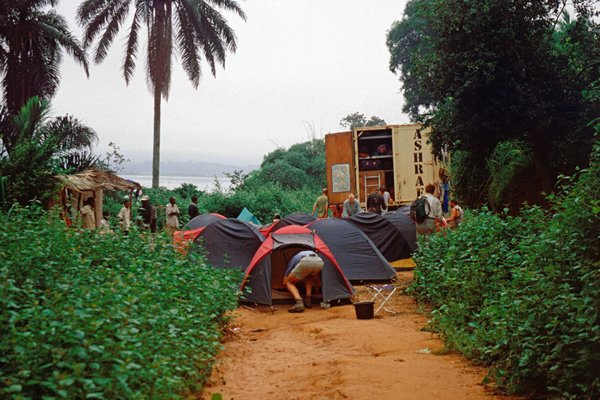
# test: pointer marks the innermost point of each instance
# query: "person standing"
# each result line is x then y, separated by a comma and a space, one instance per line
147, 213
434, 214
172, 212
193, 211
351, 206
304, 266
321, 205
375, 202
88, 216
125, 216
456, 215
386, 199
104, 225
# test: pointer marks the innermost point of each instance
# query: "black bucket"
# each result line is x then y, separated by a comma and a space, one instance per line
364, 309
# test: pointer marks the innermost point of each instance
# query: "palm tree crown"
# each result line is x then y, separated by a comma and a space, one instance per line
195, 29
31, 43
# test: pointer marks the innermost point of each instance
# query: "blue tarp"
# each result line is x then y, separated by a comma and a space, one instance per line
247, 216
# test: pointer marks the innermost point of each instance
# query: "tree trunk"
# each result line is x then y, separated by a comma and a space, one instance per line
156, 146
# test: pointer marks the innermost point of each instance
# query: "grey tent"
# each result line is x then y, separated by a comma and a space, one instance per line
268, 265
299, 219
355, 252
228, 243
203, 220
384, 235
405, 225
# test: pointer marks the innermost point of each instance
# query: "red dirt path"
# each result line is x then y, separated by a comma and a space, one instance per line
329, 354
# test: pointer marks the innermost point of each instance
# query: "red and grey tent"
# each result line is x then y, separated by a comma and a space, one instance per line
266, 269
299, 219
355, 252
182, 239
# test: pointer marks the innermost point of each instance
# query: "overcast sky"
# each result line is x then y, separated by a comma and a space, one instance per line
298, 63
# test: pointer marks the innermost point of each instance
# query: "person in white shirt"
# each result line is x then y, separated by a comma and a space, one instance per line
435, 216
88, 215
386, 199
104, 225
125, 216
172, 212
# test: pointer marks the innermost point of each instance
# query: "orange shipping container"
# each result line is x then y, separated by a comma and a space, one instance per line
397, 157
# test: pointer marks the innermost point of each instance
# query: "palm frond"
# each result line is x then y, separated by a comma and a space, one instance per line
229, 5
187, 47
110, 31
132, 46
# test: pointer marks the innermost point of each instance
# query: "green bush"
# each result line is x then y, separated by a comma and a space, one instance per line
85, 315
522, 294
509, 166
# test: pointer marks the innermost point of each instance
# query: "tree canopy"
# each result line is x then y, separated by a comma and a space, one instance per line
32, 40
356, 120
483, 72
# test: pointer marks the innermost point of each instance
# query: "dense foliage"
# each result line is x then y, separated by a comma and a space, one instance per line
522, 293
481, 73
288, 181
84, 315
44, 147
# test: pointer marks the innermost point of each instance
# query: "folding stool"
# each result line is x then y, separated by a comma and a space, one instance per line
385, 294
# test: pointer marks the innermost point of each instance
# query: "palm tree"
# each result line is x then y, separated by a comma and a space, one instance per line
31, 43
43, 148
198, 30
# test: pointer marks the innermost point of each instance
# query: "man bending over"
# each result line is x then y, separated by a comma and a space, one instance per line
304, 266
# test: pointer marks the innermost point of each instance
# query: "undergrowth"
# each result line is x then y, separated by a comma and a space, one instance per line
84, 315
521, 294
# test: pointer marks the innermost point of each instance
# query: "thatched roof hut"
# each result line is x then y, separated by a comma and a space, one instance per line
75, 189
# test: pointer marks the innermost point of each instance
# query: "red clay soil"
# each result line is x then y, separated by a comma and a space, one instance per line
329, 354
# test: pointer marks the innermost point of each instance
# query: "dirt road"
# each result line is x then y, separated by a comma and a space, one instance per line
329, 354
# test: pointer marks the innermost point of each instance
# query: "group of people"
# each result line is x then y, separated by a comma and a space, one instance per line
435, 216
377, 202
147, 215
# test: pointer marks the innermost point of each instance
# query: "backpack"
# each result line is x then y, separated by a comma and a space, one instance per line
419, 209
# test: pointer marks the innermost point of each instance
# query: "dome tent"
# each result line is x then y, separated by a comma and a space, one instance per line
355, 252
269, 262
228, 243
386, 237
406, 226
202, 220
299, 219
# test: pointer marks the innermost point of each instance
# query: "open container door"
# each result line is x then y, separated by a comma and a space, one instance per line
415, 165
341, 171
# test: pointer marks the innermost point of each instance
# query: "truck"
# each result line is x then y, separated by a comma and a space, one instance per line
397, 157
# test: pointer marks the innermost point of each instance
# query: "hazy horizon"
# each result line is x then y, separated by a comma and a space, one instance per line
300, 67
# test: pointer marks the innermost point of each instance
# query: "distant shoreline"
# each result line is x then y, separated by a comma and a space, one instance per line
204, 183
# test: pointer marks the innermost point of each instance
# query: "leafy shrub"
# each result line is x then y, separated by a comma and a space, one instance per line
85, 315
509, 166
522, 293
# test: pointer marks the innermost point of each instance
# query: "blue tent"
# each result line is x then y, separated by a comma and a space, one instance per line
247, 216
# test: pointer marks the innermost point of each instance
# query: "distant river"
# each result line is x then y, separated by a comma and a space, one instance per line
206, 183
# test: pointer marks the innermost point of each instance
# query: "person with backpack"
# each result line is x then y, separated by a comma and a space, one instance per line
426, 211
456, 215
